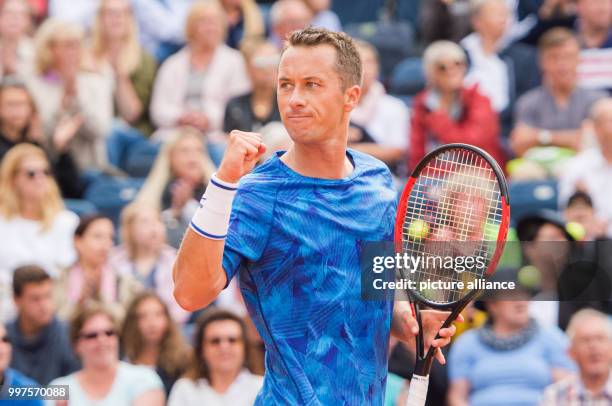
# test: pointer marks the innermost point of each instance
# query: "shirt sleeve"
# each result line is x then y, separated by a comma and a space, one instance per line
460, 359
526, 112
556, 344
250, 224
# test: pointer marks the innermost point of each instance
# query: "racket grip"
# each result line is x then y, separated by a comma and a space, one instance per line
417, 395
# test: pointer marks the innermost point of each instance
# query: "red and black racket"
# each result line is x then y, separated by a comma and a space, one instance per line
454, 206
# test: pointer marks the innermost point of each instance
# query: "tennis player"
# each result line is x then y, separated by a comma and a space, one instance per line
293, 236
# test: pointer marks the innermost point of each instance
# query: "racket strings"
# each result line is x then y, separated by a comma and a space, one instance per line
454, 209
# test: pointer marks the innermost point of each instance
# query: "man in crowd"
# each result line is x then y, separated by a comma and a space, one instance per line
287, 16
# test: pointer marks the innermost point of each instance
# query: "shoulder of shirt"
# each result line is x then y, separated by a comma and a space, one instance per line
66, 216
137, 371
19, 379
532, 94
562, 384
367, 162
468, 340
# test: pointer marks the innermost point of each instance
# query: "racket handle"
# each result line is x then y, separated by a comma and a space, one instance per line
417, 395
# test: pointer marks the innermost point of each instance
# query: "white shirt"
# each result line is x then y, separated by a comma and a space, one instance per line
488, 71
23, 242
590, 169
242, 392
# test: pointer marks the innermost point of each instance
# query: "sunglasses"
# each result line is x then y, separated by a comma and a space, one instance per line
95, 334
5, 339
218, 340
34, 173
445, 67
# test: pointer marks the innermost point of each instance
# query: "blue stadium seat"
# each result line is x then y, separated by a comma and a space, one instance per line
110, 194
530, 196
80, 207
351, 11
140, 159
408, 77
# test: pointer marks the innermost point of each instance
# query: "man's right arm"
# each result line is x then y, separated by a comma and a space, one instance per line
198, 272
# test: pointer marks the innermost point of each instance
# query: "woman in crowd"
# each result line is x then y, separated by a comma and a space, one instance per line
217, 375
177, 180
532, 356
194, 85
36, 227
145, 255
104, 380
65, 93
92, 278
150, 337
447, 111
244, 21
16, 48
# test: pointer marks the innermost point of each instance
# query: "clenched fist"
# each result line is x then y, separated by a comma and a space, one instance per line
242, 153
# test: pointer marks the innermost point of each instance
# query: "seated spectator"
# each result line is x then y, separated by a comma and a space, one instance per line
151, 338
11, 378
590, 335
16, 47
19, 123
62, 90
145, 255
104, 380
383, 117
448, 111
503, 72
579, 209
194, 85
552, 114
92, 278
591, 170
512, 339
444, 20
41, 348
244, 21
36, 227
287, 16
217, 375
177, 180
117, 54
323, 17
251, 111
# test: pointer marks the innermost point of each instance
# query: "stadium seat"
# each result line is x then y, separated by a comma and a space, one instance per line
111, 194
140, 159
351, 11
80, 207
527, 197
408, 77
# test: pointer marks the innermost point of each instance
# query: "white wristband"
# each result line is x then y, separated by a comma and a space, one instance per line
211, 219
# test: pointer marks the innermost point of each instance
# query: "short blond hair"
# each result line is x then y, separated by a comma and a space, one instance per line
50, 31
440, 50
587, 314
197, 9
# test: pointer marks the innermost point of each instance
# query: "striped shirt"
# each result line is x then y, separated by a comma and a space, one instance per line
571, 392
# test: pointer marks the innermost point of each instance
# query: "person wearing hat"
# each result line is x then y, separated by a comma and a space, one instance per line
511, 357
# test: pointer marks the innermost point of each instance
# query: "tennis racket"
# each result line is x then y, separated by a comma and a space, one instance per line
455, 204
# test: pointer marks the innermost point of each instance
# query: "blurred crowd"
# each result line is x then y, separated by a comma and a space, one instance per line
114, 115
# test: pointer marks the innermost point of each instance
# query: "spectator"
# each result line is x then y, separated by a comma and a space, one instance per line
323, 17
444, 20
150, 337
591, 170
104, 380
41, 348
447, 111
552, 114
383, 117
512, 340
502, 72
36, 227
11, 378
194, 85
16, 48
594, 31
177, 180
217, 375
590, 337
287, 16
144, 254
82, 13
244, 21
19, 123
579, 209
62, 91
92, 278
253, 110
118, 55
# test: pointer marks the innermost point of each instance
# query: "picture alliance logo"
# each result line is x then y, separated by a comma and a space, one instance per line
413, 263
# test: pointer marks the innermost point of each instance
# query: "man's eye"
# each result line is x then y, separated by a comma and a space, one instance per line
284, 85
312, 84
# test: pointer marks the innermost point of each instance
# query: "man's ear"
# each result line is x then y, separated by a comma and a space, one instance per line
351, 97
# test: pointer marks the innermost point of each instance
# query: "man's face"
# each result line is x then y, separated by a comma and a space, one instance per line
36, 303
595, 14
591, 347
492, 19
311, 99
15, 108
447, 75
559, 64
295, 16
